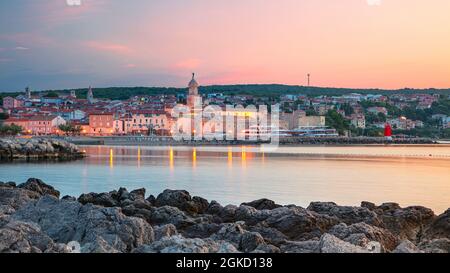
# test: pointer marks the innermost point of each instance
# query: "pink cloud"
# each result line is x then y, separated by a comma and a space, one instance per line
188, 64
107, 47
239, 76
130, 66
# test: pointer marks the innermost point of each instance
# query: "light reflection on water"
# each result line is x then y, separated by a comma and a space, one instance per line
345, 175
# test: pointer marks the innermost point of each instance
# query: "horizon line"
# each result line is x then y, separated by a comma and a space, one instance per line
237, 84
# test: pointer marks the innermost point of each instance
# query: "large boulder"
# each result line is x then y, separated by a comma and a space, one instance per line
102, 229
271, 235
165, 231
362, 234
235, 234
179, 244
262, 204
25, 237
439, 228
250, 241
347, 214
406, 247
12, 198
298, 223
170, 215
38, 186
406, 223
201, 230
182, 200
331, 244
301, 247
101, 199
441, 245
231, 233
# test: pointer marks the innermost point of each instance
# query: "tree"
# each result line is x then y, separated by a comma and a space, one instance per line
70, 129
4, 116
337, 121
65, 128
372, 118
52, 94
348, 109
10, 130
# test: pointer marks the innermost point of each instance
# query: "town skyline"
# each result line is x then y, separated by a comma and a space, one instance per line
393, 45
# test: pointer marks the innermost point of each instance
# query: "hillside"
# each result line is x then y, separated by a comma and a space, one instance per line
251, 89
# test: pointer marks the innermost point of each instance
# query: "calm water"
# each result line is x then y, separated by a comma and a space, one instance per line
409, 175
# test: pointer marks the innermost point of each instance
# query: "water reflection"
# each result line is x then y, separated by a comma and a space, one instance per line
111, 158
139, 157
298, 176
194, 158
244, 157
230, 157
171, 159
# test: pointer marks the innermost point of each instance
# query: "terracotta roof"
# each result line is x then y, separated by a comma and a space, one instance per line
43, 118
16, 120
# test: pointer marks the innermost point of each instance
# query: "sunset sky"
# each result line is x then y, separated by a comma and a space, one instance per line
48, 44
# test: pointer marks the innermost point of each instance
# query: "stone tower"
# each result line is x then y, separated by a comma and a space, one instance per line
90, 95
73, 94
28, 93
193, 96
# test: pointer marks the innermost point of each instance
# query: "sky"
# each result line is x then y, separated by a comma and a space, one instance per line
389, 44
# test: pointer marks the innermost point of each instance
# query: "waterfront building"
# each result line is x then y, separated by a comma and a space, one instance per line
307, 121
291, 121
22, 122
101, 124
146, 122
44, 125
38, 124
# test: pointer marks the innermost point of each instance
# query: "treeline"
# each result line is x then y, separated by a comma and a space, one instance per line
442, 106
258, 90
10, 130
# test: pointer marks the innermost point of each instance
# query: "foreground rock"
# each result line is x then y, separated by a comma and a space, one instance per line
38, 149
34, 220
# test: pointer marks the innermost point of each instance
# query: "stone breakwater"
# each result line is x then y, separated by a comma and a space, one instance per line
288, 141
38, 149
34, 219
353, 141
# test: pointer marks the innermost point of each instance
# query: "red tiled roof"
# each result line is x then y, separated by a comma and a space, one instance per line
43, 118
16, 120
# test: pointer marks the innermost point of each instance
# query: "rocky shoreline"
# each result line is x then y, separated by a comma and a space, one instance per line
34, 219
38, 149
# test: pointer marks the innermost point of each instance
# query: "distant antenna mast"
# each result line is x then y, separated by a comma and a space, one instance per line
309, 78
